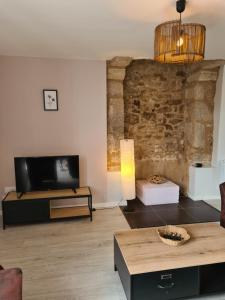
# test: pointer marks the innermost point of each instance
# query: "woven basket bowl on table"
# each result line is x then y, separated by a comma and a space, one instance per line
173, 229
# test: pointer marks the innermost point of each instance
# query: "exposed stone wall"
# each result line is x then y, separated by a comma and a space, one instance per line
167, 110
154, 117
116, 69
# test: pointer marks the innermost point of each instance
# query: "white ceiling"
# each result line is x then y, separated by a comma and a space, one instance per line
100, 29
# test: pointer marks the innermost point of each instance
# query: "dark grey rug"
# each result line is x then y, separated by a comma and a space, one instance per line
185, 212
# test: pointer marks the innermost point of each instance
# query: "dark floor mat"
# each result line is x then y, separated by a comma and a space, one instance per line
142, 219
186, 211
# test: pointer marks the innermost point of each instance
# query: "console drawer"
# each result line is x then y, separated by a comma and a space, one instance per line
165, 285
25, 211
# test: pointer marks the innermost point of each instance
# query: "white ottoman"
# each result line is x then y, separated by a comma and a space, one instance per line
152, 194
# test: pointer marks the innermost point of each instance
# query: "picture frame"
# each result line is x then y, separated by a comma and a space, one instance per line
50, 98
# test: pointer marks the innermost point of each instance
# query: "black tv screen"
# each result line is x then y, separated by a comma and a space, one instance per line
46, 173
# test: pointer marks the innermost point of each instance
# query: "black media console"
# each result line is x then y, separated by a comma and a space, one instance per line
39, 206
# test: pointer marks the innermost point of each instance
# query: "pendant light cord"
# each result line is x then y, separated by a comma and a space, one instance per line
179, 33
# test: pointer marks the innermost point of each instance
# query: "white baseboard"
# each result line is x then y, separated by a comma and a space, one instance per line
8, 189
109, 204
210, 198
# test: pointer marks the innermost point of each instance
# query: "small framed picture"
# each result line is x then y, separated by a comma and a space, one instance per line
50, 99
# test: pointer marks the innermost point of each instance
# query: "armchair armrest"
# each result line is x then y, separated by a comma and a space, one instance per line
11, 284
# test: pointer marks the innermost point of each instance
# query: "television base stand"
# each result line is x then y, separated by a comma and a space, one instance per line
19, 195
40, 206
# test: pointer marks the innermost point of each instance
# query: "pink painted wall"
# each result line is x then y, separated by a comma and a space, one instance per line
79, 127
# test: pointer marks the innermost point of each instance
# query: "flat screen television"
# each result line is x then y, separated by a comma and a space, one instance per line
46, 173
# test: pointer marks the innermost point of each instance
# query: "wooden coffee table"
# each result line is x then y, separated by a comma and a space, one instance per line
149, 269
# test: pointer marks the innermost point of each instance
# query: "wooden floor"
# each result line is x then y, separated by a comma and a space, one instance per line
70, 260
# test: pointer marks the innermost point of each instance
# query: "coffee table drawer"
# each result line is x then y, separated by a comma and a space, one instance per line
165, 285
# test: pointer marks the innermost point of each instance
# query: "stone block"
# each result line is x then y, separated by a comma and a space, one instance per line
207, 75
189, 93
212, 64
199, 135
115, 107
111, 142
113, 165
199, 92
115, 88
204, 91
133, 119
120, 61
203, 75
113, 151
115, 124
202, 112
116, 74
176, 121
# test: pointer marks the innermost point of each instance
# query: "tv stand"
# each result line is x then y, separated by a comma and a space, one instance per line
33, 207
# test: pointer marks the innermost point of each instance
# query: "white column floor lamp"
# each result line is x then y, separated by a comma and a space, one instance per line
127, 171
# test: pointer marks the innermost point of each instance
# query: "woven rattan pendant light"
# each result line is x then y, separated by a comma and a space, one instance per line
176, 42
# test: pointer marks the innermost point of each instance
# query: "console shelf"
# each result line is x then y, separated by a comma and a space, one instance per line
68, 212
36, 206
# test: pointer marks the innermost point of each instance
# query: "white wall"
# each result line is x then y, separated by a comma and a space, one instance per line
79, 127
114, 190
